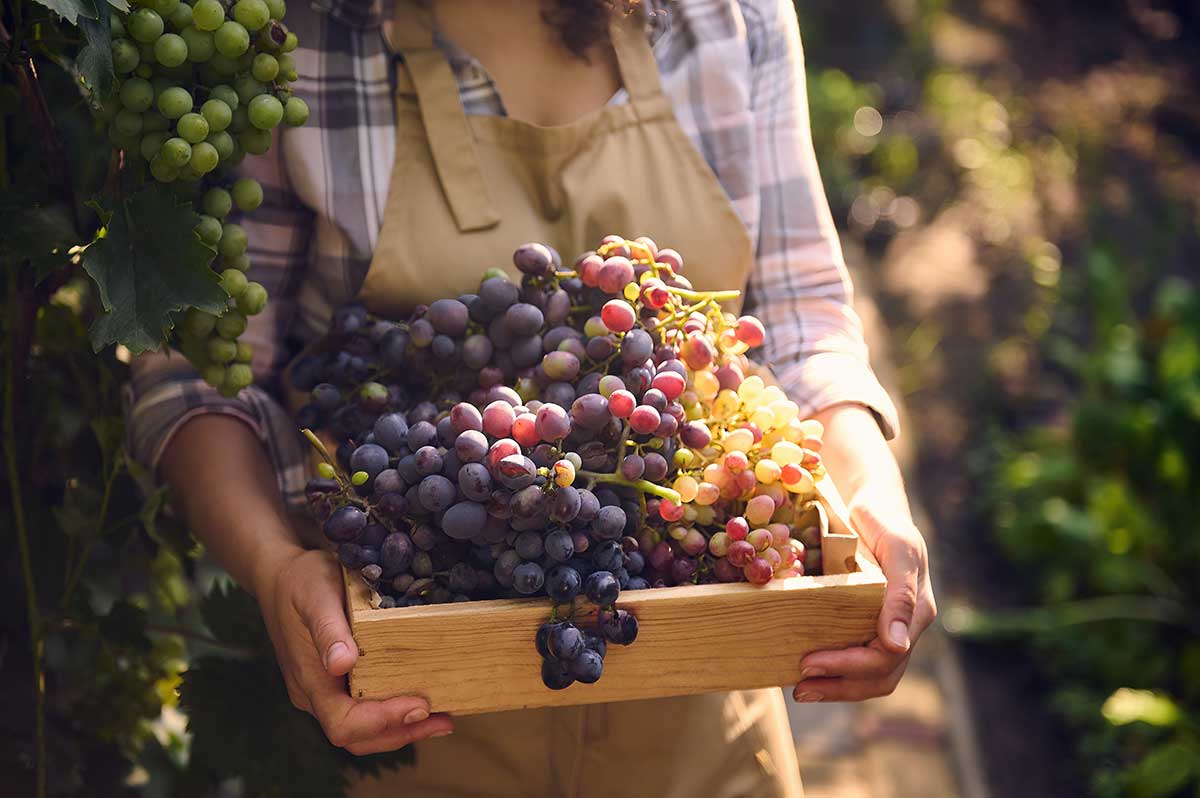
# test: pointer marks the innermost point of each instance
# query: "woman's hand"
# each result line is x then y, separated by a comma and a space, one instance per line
865, 472
301, 601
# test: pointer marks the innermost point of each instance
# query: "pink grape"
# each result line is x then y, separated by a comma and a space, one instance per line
560, 366
499, 450
788, 557
655, 294
552, 423
750, 331
736, 462
758, 571
695, 435
498, 419
696, 323
644, 419
754, 430
524, 429
465, 417
759, 510
745, 482
621, 403
772, 556
697, 352
693, 542
740, 553
707, 494
670, 383
588, 267
737, 528
729, 376
718, 544
610, 383
669, 510
670, 258
618, 315
780, 534
615, 273
726, 571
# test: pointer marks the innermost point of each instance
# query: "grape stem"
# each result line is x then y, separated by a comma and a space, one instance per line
638, 484
703, 296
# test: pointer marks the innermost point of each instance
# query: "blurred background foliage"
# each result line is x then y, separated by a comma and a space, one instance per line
1017, 187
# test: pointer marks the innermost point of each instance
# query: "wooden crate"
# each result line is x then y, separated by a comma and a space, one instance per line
479, 656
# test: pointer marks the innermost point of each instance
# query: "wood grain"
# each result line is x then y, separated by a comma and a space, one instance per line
479, 656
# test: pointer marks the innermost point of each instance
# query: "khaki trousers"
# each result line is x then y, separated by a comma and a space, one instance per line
723, 745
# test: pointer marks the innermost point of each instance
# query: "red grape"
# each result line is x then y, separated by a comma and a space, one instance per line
618, 315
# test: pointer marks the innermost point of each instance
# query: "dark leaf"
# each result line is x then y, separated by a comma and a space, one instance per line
148, 265
43, 234
94, 62
71, 10
232, 616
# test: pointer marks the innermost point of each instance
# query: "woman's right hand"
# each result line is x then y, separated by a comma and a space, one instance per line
301, 601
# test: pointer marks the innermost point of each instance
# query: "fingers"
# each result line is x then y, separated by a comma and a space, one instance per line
435, 726
835, 689
321, 611
902, 556
872, 661
347, 721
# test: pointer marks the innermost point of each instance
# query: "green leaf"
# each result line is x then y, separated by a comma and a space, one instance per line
232, 616
94, 61
42, 234
1165, 770
71, 10
148, 264
120, 5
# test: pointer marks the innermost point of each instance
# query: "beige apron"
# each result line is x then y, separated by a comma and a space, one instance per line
465, 191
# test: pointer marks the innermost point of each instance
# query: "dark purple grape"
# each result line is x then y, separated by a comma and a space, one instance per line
451, 462
559, 393
555, 336
636, 346
587, 667
445, 432
392, 505
655, 398
656, 467
638, 379
326, 397
683, 569
396, 553
464, 520
600, 347
393, 350
534, 259
345, 523
475, 482
523, 320
444, 348
407, 468
516, 471
589, 505
557, 306
695, 435
391, 432
421, 434
527, 578
609, 523
559, 545
448, 316
422, 565
350, 555
422, 411
528, 502
635, 562
633, 466
555, 675
602, 588
477, 351
424, 537
529, 545
349, 319
565, 641
428, 460
552, 422
608, 555
565, 505
436, 493
497, 294
500, 335
462, 578
667, 426
593, 455
500, 504
619, 627
372, 572
371, 458
596, 643
543, 455
526, 351
590, 411
505, 393
638, 583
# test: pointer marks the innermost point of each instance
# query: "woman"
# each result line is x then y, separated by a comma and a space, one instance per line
444, 134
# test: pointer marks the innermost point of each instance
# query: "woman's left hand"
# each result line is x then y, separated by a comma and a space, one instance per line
865, 471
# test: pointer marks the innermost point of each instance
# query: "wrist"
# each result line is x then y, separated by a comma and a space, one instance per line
270, 559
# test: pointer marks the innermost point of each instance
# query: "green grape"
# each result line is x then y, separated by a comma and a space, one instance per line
239, 262
253, 299
230, 326
146, 57
176, 152
289, 43
125, 56
199, 43
232, 39
287, 67
116, 28
174, 102
247, 193
192, 128
265, 112
144, 71
145, 25
209, 229
217, 114
204, 158
154, 122
225, 94
223, 65
236, 157
137, 95
214, 373
278, 8
221, 350
234, 282
245, 60
237, 377
295, 113
247, 88
252, 14
170, 50
152, 143
181, 17
188, 174
164, 7
161, 83
123, 141
198, 322
233, 240
223, 143
255, 141
264, 68
127, 123
162, 171
240, 120
245, 352
208, 15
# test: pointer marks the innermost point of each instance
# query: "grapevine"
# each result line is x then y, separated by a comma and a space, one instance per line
586, 431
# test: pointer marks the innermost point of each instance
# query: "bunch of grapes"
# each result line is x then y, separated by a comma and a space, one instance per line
585, 431
199, 85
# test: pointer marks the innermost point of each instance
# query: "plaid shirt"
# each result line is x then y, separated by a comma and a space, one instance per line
735, 74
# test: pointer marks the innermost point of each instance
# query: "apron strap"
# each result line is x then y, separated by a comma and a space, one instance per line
635, 59
447, 129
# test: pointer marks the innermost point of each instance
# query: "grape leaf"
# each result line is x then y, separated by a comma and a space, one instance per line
148, 263
43, 234
72, 10
94, 61
120, 5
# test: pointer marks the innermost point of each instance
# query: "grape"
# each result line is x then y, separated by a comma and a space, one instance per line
180, 17
529, 545
618, 315
277, 8
222, 142
475, 481
609, 522
528, 578
345, 523
209, 229
295, 111
217, 202
253, 140
428, 460
127, 123
170, 50
217, 114
247, 193
204, 157
192, 127
231, 39
560, 365
390, 430
136, 95
633, 466
523, 320
144, 25
464, 519
534, 259
125, 55
231, 325
587, 667
227, 95
264, 67
565, 505
234, 282
608, 556
436, 493
620, 627
207, 15
601, 588
253, 300
471, 446
555, 675
266, 112
552, 423
559, 545
644, 419
252, 14
233, 239
564, 641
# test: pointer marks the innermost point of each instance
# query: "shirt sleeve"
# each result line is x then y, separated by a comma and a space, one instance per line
799, 287
165, 390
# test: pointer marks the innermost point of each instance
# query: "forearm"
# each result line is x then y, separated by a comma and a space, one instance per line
859, 461
224, 487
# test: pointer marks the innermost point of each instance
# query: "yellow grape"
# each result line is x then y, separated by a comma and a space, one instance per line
707, 494
738, 440
772, 394
811, 428
686, 487
678, 532
724, 406
785, 453
784, 411
766, 471
803, 484
763, 418
706, 384
751, 387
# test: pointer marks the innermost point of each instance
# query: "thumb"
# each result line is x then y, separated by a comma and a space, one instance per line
322, 612
901, 567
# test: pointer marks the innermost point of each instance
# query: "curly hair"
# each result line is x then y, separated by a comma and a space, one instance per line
584, 23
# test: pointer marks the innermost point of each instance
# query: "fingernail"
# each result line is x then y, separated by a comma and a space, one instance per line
334, 651
442, 733
811, 673
417, 715
808, 698
898, 631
